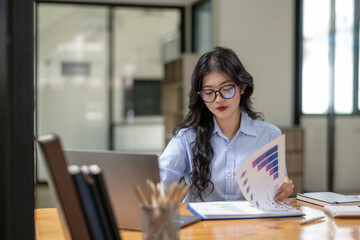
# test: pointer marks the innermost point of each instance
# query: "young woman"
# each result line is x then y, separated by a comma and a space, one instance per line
219, 133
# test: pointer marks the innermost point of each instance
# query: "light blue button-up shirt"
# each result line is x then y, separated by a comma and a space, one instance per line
176, 160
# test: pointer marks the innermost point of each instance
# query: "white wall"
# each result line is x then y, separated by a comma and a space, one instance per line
347, 154
262, 34
315, 155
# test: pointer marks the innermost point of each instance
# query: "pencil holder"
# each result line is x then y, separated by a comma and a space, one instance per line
160, 222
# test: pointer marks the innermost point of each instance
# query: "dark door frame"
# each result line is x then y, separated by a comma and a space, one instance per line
16, 120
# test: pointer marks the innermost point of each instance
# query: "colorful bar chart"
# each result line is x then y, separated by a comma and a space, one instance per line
269, 160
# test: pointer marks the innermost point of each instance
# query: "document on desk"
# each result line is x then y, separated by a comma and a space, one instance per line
262, 174
235, 210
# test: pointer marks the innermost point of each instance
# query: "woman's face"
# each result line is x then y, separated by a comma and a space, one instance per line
222, 108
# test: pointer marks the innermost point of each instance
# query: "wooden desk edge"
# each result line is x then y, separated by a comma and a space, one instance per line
48, 225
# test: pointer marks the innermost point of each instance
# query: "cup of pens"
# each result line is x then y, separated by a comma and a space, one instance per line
157, 222
159, 211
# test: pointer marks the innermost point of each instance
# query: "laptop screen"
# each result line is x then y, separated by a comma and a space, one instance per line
121, 172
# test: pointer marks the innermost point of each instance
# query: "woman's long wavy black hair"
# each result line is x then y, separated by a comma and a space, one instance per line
200, 118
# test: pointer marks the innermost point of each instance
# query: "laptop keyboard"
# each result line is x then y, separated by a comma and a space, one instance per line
343, 211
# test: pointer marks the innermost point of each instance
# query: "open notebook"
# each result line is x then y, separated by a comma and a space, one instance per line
237, 210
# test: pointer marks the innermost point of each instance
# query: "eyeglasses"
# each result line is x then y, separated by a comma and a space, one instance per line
226, 92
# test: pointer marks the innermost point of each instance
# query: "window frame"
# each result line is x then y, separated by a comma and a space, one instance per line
194, 23
299, 14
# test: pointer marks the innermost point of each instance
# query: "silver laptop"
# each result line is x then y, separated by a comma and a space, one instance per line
122, 171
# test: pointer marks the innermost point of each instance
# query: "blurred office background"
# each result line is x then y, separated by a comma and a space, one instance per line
99, 73
99, 68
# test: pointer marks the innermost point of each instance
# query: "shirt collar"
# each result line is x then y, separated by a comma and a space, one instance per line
245, 126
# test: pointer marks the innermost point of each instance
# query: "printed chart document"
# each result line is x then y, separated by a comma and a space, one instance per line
235, 210
262, 174
259, 178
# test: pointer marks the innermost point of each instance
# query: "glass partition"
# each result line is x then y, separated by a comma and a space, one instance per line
140, 34
72, 77
99, 73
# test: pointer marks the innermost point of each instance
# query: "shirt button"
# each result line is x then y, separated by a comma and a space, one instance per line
230, 147
229, 174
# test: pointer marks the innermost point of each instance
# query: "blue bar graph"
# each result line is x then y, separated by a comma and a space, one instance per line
263, 156
271, 165
269, 160
274, 170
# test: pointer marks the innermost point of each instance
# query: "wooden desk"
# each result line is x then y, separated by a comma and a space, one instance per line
48, 227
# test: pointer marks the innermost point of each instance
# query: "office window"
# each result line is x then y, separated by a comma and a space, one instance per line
202, 25
329, 57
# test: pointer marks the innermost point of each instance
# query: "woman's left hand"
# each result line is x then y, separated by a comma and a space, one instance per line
285, 190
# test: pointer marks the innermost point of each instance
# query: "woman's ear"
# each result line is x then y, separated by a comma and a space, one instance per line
242, 89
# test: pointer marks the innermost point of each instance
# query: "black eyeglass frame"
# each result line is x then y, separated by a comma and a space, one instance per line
218, 91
